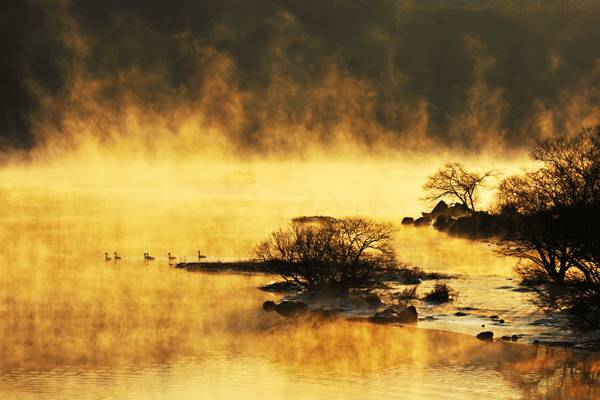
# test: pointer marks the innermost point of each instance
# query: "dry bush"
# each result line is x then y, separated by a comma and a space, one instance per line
351, 253
441, 293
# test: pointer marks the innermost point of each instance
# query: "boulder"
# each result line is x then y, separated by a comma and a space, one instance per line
408, 221
269, 306
379, 318
447, 225
390, 316
464, 227
439, 208
422, 222
441, 221
408, 315
457, 211
387, 316
290, 308
486, 336
478, 226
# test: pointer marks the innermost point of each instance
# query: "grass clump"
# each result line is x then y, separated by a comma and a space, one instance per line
441, 293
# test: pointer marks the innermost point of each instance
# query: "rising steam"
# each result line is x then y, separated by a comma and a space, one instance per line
291, 78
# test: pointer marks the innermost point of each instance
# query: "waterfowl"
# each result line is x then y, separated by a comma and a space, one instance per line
147, 256
172, 258
107, 257
200, 255
117, 257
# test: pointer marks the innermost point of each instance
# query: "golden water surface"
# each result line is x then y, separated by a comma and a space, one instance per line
74, 325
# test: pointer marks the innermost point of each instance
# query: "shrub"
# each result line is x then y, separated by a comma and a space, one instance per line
331, 254
441, 293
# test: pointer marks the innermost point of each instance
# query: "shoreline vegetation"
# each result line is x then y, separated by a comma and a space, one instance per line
382, 306
545, 217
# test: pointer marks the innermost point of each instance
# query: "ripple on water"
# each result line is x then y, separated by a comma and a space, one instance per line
222, 376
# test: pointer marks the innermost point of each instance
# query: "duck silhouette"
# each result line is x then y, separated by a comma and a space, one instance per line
147, 256
172, 258
117, 257
107, 258
200, 255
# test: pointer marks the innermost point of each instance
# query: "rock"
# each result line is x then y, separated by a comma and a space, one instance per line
408, 221
269, 305
408, 315
464, 227
389, 311
422, 222
380, 318
389, 315
290, 308
457, 211
441, 222
507, 338
447, 226
486, 336
477, 226
439, 208
514, 338
460, 314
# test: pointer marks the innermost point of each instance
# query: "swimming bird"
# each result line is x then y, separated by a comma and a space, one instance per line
107, 257
117, 257
200, 255
148, 256
172, 258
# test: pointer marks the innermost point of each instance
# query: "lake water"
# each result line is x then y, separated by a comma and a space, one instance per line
75, 326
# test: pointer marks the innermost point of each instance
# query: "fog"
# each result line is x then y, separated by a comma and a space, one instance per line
146, 126
295, 79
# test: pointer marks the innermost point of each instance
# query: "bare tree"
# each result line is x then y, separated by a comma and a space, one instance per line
549, 218
331, 254
454, 182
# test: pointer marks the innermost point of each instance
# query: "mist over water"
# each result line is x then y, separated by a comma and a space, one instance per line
148, 127
138, 329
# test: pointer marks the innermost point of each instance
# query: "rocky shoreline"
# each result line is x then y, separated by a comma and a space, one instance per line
456, 220
460, 317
